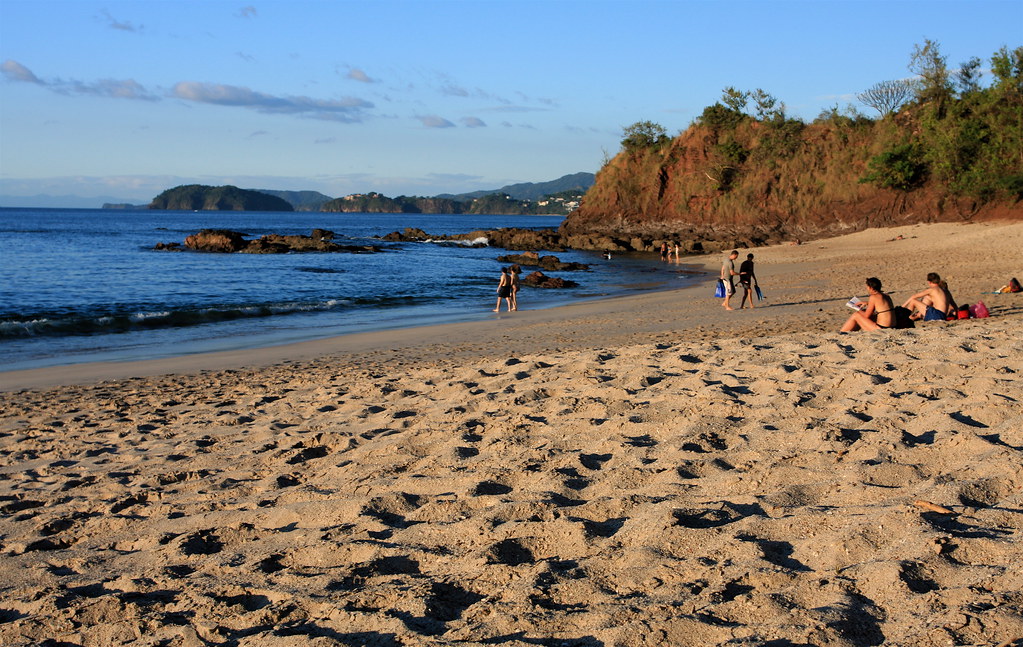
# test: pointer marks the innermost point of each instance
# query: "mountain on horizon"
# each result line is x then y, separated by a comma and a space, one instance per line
307, 200
300, 200
531, 190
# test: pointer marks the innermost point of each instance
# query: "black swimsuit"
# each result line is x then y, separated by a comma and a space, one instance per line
879, 312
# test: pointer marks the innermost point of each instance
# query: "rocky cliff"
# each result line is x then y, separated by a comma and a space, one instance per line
757, 183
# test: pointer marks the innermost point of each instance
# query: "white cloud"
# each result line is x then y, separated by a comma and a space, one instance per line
113, 23
247, 12
15, 71
473, 122
348, 109
433, 121
111, 88
452, 90
356, 74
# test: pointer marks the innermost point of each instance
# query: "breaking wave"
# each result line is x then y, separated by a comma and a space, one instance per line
59, 325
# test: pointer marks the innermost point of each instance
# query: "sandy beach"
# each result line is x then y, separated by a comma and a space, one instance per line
648, 470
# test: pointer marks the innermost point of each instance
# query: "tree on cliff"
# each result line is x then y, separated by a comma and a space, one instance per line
642, 135
886, 96
953, 151
933, 83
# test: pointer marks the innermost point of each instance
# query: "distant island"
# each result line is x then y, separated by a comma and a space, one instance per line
556, 197
198, 197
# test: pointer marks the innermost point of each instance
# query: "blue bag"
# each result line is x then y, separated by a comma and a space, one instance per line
720, 291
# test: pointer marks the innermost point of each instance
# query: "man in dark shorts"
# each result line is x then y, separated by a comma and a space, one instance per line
933, 304
747, 279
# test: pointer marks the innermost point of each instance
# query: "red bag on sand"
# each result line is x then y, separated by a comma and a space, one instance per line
979, 310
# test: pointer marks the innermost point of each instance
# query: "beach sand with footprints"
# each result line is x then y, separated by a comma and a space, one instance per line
649, 470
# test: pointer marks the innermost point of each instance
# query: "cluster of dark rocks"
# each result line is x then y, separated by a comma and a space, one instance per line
549, 263
538, 279
225, 241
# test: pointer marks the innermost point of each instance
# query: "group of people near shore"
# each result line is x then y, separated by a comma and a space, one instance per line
935, 303
747, 279
508, 288
669, 248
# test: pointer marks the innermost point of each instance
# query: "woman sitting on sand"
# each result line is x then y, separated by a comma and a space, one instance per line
878, 312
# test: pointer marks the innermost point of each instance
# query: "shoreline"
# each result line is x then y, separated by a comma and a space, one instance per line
387, 342
798, 281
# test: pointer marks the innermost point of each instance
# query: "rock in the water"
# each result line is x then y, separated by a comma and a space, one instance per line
549, 263
216, 240
540, 280
226, 241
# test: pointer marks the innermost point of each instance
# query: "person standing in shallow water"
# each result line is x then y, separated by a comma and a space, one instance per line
504, 290
513, 274
727, 272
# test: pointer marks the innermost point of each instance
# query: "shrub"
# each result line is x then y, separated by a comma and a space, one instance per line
900, 167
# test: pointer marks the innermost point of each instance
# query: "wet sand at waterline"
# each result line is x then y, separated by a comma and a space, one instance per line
647, 470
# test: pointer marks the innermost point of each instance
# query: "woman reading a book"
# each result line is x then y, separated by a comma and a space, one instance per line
878, 312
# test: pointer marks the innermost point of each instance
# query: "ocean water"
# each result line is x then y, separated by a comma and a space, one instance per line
82, 285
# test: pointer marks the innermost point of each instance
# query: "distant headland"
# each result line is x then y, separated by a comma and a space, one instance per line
556, 197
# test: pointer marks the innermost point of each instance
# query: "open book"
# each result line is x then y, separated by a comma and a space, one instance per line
854, 303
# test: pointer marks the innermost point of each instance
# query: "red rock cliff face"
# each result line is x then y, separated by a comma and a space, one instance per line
712, 190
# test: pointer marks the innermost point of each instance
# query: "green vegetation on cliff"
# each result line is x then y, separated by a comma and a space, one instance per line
198, 197
943, 148
491, 203
299, 200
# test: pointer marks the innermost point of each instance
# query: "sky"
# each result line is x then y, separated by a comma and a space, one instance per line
123, 99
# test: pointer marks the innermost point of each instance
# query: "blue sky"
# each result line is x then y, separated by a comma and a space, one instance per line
124, 99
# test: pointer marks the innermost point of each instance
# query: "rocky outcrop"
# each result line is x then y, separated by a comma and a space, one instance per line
225, 241
408, 235
759, 183
540, 280
513, 238
508, 238
549, 263
216, 240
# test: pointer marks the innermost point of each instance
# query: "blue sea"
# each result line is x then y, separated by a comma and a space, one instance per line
85, 285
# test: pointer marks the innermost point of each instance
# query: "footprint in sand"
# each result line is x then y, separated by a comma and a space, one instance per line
594, 461
490, 488
511, 552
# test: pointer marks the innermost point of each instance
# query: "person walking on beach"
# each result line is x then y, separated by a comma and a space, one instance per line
664, 251
727, 272
513, 274
747, 279
504, 290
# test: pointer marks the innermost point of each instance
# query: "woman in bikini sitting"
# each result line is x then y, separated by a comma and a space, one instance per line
878, 312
